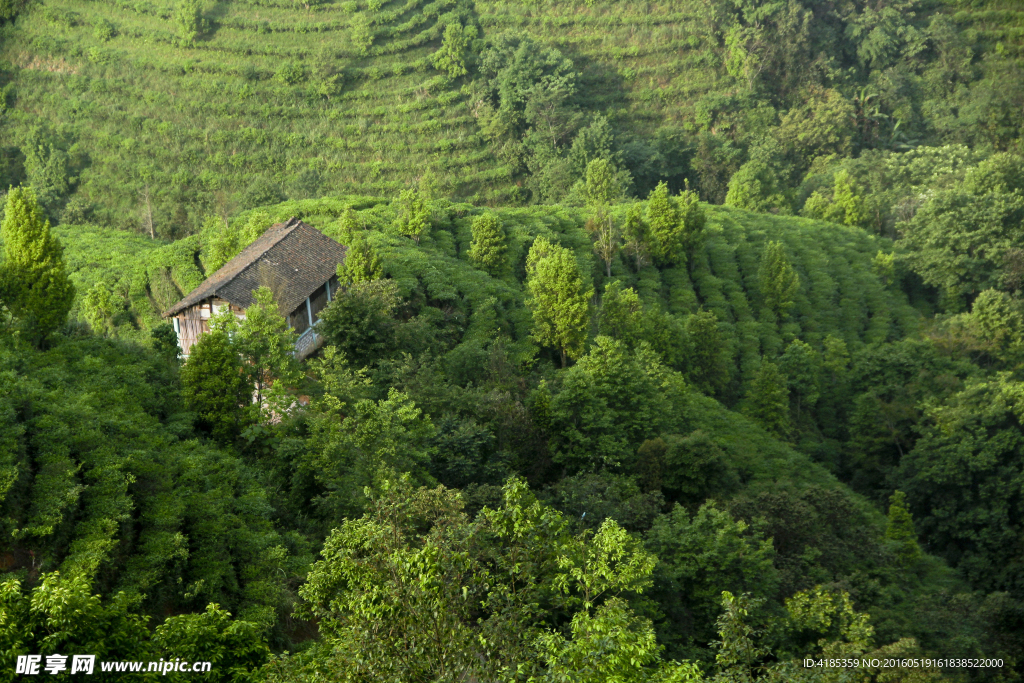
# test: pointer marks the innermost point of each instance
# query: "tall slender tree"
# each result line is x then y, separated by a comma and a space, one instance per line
601, 188
768, 399
778, 280
663, 222
637, 235
489, 244
559, 298
33, 281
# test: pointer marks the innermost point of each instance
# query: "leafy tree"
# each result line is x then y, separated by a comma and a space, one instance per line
490, 244
636, 236
846, 206
352, 447
899, 530
601, 190
610, 403
597, 141
610, 644
219, 244
756, 187
621, 315
692, 221
362, 263
847, 199
61, 615
214, 387
695, 467
664, 225
451, 56
524, 85
33, 280
359, 321
560, 304
188, 19
266, 346
104, 30
884, 266
9, 9
822, 124
415, 590
361, 33
1000, 323
777, 279
700, 556
959, 239
413, 215
47, 169
100, 307
962, 482
830, 628
768, 399
801, 365
707, 361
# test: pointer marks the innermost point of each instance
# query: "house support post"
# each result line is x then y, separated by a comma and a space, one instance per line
309, 312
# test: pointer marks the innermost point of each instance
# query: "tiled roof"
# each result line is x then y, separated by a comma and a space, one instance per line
291, 258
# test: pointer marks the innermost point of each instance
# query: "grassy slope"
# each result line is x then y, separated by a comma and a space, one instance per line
198, 124
839, 293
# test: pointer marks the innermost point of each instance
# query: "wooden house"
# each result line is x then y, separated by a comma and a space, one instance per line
297, 262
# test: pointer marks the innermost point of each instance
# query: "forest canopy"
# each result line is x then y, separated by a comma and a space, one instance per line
673, 342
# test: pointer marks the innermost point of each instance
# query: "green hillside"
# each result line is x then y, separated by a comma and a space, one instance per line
839, 293
674, 341
131, 117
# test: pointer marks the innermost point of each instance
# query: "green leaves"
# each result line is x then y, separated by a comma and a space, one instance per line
961, 240
489, 244
675, 225
452, 55
558, 299
414, 590
188, 19
768, 399
777, 279
33, 283
214, 387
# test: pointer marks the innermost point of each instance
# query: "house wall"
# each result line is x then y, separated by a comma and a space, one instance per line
194, 321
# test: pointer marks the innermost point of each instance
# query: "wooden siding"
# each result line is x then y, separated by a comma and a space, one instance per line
194, 321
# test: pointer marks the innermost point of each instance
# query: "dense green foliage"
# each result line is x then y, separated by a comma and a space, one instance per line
675, 341
34, 286
154, 116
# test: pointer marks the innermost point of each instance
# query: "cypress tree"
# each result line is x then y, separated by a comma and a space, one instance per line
488, 247
361, 262
777, 278
768, 399
33, 283
706, 363
692, 220
664, 227
899, 530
